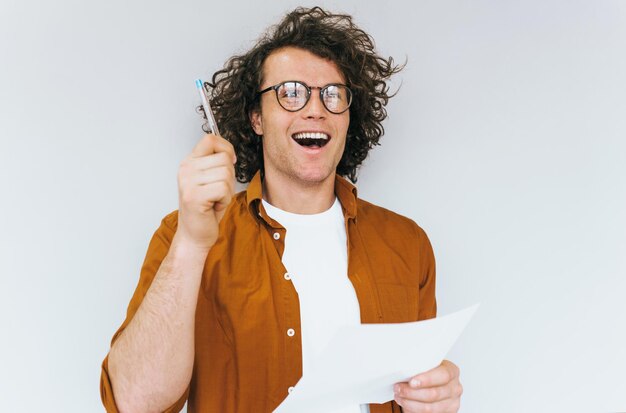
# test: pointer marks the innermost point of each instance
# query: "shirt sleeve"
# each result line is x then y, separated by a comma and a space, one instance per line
427, 299
157, 250
389, 407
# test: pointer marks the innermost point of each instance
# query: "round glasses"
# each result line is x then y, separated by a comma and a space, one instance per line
293, 95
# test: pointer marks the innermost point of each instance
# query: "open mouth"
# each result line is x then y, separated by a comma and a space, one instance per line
311, 139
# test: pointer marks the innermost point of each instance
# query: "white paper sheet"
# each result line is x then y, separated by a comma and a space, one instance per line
362, 363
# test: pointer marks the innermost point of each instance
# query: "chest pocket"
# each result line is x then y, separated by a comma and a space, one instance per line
399, 302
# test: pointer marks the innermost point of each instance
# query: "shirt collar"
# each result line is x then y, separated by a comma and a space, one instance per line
345, 191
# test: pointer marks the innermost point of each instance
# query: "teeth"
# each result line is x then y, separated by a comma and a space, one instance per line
311, 135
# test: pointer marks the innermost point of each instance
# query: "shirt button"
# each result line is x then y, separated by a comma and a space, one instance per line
276, 235
291, 332
289, 390
287, 276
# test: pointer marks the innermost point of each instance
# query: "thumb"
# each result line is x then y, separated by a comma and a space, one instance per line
206, 146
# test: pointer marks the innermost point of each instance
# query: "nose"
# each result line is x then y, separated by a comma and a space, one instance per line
314, 108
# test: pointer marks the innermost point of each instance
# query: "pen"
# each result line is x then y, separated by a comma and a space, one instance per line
207, 108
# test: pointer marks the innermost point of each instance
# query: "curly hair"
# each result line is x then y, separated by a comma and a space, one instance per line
233, 89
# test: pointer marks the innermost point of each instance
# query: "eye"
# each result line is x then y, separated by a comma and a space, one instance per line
289, 93
334, 92
290, 90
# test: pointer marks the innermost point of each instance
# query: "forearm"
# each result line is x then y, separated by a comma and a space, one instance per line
151, 362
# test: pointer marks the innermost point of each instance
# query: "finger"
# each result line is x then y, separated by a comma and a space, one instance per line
431, 394
211, 161
445, 406
222, 204
211, 144
440, 375
192, 168
216, 195
218, 174
189, 176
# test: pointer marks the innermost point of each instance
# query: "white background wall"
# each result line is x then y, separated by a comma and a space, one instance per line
506, 143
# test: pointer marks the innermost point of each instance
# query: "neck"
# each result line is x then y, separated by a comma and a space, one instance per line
299, 197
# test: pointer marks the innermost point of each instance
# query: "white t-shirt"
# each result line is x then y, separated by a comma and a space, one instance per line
316, 258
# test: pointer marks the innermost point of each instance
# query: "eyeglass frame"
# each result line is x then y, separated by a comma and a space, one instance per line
308, 89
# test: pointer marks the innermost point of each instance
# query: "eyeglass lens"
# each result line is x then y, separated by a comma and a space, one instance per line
294, 96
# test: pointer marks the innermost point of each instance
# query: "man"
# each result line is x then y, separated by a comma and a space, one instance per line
238, 293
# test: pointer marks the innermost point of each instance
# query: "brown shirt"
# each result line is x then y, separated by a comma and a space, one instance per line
245, 360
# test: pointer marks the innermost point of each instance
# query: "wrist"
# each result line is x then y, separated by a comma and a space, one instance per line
182, 246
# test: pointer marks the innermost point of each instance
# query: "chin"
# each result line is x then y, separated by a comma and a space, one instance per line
315, 176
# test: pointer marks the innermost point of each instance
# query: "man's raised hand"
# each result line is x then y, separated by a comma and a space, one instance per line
206, 184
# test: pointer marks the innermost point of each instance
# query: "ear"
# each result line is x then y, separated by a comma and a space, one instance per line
256, 122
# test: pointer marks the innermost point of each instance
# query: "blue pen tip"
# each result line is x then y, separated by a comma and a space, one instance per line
199, 83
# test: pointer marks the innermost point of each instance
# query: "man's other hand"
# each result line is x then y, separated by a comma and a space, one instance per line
435, 391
